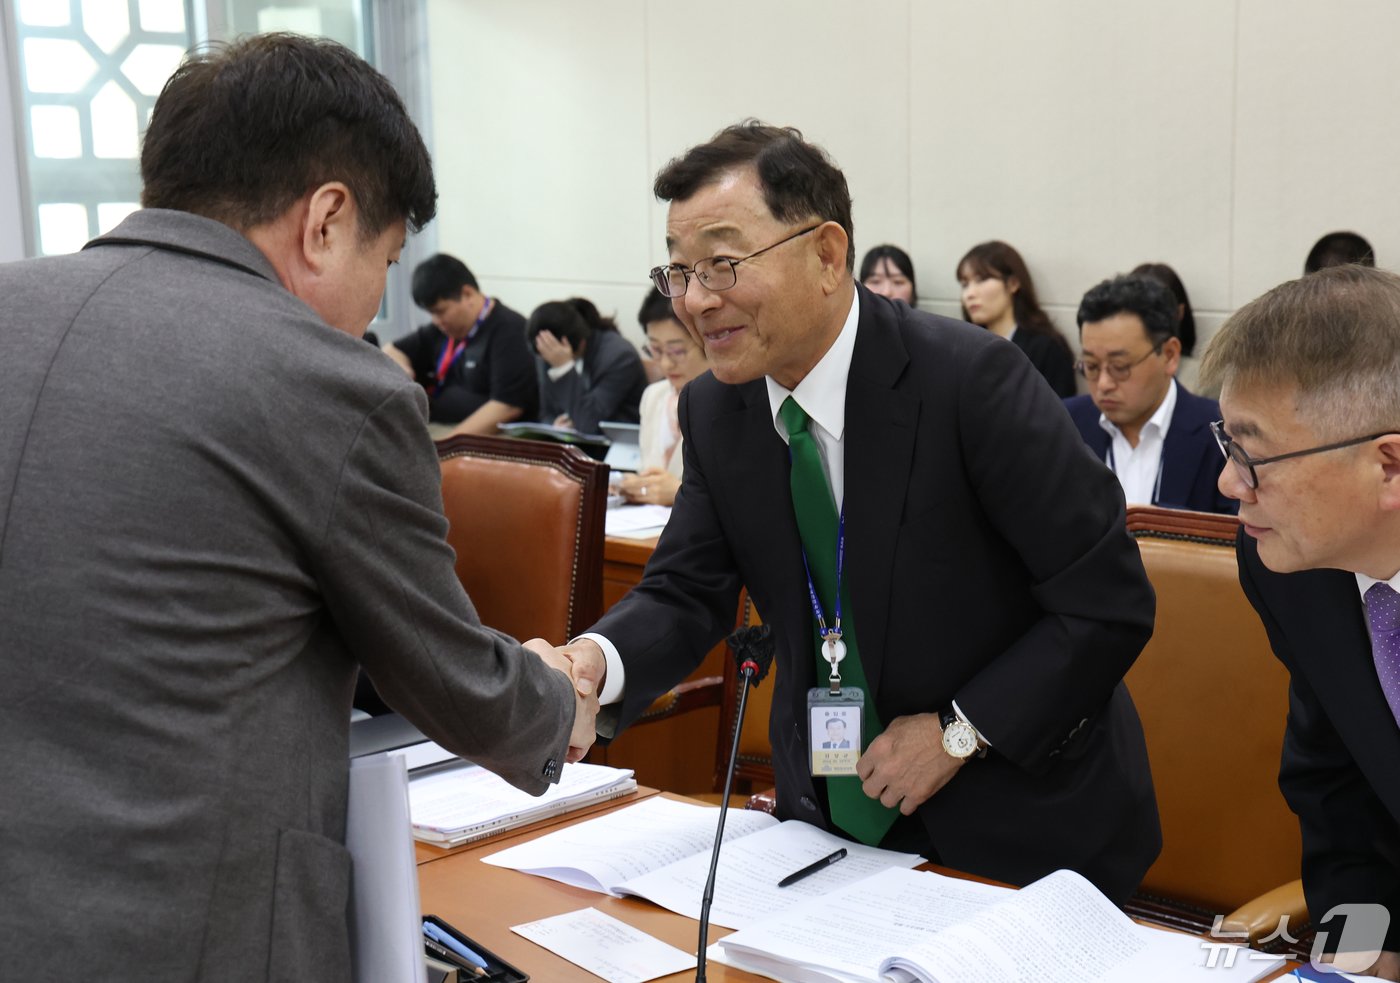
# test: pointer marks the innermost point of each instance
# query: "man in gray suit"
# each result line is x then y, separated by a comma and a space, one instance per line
215, 503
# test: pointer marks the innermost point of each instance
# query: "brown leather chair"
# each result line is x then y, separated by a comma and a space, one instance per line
526, 522
1213, 702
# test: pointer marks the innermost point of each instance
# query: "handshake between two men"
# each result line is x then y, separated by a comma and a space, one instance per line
586, 675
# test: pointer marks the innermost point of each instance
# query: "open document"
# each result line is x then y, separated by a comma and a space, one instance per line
902, 926
659, 850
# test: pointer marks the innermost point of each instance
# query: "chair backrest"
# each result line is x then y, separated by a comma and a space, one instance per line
1213, 702
526, 521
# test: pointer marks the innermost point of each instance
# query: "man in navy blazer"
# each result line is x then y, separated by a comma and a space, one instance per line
1310, 377
1137, 418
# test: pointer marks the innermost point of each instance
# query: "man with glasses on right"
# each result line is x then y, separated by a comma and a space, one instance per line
1150, 431
1310, 376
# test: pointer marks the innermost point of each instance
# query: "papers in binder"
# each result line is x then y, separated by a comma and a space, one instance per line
465, 802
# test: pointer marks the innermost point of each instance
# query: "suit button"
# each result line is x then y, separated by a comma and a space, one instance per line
551, 769
807, 803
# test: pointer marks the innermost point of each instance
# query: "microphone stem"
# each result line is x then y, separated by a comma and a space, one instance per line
745, 678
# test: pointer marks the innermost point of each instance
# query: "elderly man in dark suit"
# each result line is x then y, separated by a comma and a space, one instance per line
215, 503
967, 546
1152, 432
1310, 394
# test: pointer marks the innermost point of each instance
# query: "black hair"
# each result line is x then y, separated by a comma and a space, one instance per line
440, 277
799, 180
573, 320
1133, 293
897, 258
244, 129
656, 307
1186, 328
1339, 249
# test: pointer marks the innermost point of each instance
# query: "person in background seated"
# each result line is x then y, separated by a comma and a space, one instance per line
591, 373
998, 294
1310, 394
1339, 249
1152, 433
671, 346
473, 360
888, 271
1185, 317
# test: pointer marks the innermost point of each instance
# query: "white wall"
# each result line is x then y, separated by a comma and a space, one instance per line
1220, 136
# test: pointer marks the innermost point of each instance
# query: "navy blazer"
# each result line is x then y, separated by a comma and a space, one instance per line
1191, 460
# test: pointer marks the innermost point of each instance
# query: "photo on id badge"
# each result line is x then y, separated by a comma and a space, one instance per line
835, 740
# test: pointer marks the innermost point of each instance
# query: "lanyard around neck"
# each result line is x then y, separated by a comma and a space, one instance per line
452, 348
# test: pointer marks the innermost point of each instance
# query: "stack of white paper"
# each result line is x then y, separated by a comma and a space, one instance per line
467, 802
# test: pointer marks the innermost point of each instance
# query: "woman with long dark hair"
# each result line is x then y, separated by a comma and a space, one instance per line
998, 294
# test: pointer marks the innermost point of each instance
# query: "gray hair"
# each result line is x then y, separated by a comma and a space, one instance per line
1334, 335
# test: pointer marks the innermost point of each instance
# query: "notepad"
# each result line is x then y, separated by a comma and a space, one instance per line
660, 850
460, 804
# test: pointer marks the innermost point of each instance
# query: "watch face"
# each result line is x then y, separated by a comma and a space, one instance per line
959, 739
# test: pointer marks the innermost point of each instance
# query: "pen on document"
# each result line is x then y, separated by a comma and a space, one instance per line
811, 869
442, 938
451, 958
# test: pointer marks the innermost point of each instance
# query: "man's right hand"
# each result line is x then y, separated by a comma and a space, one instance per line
584, 732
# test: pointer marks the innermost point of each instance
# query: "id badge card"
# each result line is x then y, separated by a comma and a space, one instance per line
833, 723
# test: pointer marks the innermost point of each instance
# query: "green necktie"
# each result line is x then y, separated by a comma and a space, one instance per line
851, 809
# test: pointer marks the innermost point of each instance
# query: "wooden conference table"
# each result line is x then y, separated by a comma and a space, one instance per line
484, 901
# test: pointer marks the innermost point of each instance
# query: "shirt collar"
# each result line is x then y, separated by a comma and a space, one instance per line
822, 393
1161, 420
1364, 583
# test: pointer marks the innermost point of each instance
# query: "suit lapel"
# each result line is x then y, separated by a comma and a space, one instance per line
1178, 468
771, 548
881, 425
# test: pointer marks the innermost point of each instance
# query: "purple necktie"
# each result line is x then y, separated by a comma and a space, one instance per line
1383, 620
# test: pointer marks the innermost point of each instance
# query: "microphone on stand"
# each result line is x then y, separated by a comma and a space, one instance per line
753, 653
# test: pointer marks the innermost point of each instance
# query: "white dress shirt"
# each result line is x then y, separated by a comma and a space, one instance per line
1139, 469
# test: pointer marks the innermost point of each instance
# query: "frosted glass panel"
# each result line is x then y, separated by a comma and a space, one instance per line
110, 214
44, 13
162, 15
339, 20
63, 228
149, 65
298, 20
114, 132
106, 22
53, 65
57, 132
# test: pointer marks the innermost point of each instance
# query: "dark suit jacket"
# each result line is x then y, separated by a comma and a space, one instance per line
213, 507
1340, 769
1050, 358
610, 387
1191, 460
987, 562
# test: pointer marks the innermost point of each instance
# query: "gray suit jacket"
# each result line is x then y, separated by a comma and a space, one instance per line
213, 507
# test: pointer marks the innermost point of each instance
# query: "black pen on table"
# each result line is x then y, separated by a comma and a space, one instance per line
811, 869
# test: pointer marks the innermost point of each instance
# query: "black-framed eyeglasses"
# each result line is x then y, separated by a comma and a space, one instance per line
1117, 371
1245, 465
715, 273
